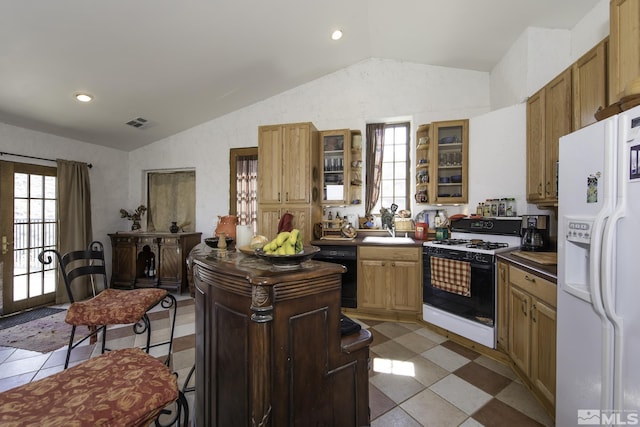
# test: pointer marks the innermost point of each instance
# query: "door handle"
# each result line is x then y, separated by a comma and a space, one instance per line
533, 312
5, 245
524, 307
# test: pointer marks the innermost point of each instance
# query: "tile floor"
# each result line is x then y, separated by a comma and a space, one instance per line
418, 378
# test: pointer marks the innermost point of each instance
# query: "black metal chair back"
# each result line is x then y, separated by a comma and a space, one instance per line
77, 264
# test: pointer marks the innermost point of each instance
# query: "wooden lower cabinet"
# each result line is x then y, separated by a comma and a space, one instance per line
532, 331
390, 280
134, 253
268, 346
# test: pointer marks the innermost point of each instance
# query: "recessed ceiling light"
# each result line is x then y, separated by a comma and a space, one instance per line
336, 35
83, 97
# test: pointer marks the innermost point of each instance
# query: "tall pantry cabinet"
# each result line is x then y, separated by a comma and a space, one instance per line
289, 177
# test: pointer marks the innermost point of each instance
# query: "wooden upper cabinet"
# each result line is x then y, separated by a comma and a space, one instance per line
535, 146
297, 164
285, 164
624, 46
558, 122
270, 164
590, 85
549, 116
449, 167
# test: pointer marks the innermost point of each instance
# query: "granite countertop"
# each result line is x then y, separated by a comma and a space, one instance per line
359, 240
362, 233
547, 271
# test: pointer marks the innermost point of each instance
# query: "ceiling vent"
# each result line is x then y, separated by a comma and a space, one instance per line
139, 123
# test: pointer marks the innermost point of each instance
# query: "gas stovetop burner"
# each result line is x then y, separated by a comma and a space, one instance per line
487, 245
451, 242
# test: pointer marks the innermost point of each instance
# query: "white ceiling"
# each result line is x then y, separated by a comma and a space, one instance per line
182, 63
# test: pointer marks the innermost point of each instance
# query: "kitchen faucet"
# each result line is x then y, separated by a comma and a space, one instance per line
392, 230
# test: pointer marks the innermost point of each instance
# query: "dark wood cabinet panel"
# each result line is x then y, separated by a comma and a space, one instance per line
135, 253
268, 346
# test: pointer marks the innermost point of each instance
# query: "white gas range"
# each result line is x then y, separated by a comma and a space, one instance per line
459, 276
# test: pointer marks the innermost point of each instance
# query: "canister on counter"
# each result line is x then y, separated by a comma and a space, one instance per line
511, 206
502, 207
442, 233
422, 228
487, 208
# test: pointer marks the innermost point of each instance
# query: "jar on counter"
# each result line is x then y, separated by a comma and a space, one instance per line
502, 207
487, 208
511, 206
494, 207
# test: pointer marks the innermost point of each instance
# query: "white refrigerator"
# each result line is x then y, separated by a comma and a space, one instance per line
598, 313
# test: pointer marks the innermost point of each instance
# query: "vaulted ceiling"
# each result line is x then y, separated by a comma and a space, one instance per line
178, 64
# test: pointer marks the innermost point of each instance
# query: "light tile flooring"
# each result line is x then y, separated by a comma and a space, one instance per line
418, 378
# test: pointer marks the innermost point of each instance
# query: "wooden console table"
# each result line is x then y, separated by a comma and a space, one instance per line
268, 346
134, 253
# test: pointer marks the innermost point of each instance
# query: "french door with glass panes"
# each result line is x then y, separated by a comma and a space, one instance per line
28, 224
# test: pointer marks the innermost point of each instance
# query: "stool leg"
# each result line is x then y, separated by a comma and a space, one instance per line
73, 333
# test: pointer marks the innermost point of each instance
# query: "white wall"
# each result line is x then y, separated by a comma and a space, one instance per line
540, 54
369, 91
529, 64
499, 171
591, 29
109, 174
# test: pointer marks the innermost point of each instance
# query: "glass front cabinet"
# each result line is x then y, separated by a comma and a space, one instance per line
442, 155
341, 157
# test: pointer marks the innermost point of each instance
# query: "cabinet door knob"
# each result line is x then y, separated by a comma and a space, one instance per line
524, 307
529, 279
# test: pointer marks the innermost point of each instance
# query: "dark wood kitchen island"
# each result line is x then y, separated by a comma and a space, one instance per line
269, 351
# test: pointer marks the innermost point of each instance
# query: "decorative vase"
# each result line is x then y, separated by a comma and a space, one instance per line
174, 227
135, 225
227, 224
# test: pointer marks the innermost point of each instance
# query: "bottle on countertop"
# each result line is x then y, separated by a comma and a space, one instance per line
480, 209
502, 207
487, 208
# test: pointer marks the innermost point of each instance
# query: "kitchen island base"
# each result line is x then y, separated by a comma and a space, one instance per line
268, 346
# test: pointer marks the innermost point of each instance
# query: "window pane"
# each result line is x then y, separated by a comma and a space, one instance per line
20, 188
19, 287
35, 285
400, 171
37, 186
20, 210
36, 212
35, 237
49, 210
19, 262
49, 281
50, 187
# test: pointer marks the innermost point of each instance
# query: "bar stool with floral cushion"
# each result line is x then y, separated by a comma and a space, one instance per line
110, 306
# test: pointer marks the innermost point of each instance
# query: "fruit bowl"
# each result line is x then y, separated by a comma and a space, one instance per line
289, 261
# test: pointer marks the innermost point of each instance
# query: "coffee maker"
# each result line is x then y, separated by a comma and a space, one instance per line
535, 233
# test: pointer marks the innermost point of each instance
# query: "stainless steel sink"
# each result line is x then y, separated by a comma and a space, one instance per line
388, 240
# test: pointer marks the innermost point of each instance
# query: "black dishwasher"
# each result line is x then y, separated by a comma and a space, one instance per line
347, 256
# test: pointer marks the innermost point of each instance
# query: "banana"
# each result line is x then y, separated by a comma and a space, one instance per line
293, 238
282, 237
299, 245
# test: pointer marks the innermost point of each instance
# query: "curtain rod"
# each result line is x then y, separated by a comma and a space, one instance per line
2, 153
